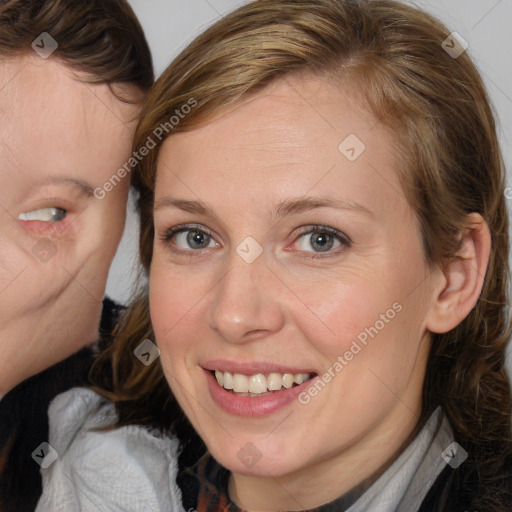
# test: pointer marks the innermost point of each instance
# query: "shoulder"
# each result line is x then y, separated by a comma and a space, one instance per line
469, 488
127, 468
23, 427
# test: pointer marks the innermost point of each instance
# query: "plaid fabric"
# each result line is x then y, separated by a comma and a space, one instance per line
205, 489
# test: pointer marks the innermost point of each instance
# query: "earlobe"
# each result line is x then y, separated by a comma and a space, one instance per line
463, 278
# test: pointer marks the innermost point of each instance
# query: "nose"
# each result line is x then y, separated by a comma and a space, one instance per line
247, 304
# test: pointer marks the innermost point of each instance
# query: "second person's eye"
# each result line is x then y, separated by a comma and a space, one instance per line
44, 215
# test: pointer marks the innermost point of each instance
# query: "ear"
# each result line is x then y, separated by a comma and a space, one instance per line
463, 278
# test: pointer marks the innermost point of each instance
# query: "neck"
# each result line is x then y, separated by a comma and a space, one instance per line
347, 474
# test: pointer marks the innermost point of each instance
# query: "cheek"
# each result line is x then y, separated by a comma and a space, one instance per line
37, 287
174, 303
175, 316
376, 359
13, 259
339, 309
370, 319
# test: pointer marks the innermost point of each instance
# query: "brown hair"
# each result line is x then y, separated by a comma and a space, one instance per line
451, 166
102, 38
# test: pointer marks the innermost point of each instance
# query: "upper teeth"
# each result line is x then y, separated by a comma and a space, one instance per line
259, 383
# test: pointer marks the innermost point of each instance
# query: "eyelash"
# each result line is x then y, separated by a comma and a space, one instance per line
183, 228
344, 240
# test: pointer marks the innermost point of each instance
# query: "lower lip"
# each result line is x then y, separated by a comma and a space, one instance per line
253, 407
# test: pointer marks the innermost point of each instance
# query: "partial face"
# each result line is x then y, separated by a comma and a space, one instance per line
288, 288
60, 139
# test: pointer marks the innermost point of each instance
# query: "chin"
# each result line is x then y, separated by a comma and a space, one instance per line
254, 458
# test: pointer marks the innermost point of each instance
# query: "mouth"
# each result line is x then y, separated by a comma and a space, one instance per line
259, 384
255, 389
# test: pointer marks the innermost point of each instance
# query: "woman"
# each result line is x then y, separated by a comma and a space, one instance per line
325, 234
72, 78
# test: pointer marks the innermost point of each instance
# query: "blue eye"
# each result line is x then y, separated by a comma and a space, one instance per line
321, 240
44, 215
191, 239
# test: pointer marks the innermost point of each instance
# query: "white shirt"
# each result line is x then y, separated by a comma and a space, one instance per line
134, 468
404, 485
127, 469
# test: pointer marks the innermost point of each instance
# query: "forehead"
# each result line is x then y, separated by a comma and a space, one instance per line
51, 120
299, 134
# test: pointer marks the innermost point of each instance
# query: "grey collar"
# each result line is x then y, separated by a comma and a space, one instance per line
404, 485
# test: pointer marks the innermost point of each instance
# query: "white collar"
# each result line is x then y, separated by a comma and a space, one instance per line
404, 485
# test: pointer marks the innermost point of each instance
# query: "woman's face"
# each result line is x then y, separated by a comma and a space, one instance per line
285, 250
60, 140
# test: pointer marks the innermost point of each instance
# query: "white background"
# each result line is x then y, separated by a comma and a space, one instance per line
171, 24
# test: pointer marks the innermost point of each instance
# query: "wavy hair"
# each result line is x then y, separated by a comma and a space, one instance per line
450, 165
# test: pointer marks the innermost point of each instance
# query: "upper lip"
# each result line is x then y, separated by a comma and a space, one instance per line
252, 368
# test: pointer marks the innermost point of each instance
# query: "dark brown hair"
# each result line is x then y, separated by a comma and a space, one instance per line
101, 38
391, 55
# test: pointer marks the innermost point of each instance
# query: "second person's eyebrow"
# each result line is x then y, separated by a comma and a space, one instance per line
85, 188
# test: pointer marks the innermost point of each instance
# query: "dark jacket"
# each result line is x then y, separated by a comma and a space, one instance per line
456, 490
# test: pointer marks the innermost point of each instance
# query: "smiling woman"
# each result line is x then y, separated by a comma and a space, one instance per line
340, 164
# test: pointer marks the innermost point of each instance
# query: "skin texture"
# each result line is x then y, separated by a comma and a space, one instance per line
287, 308
60, 139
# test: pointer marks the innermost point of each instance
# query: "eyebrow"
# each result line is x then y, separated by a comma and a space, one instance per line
308, 204
85, 188
288, 207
